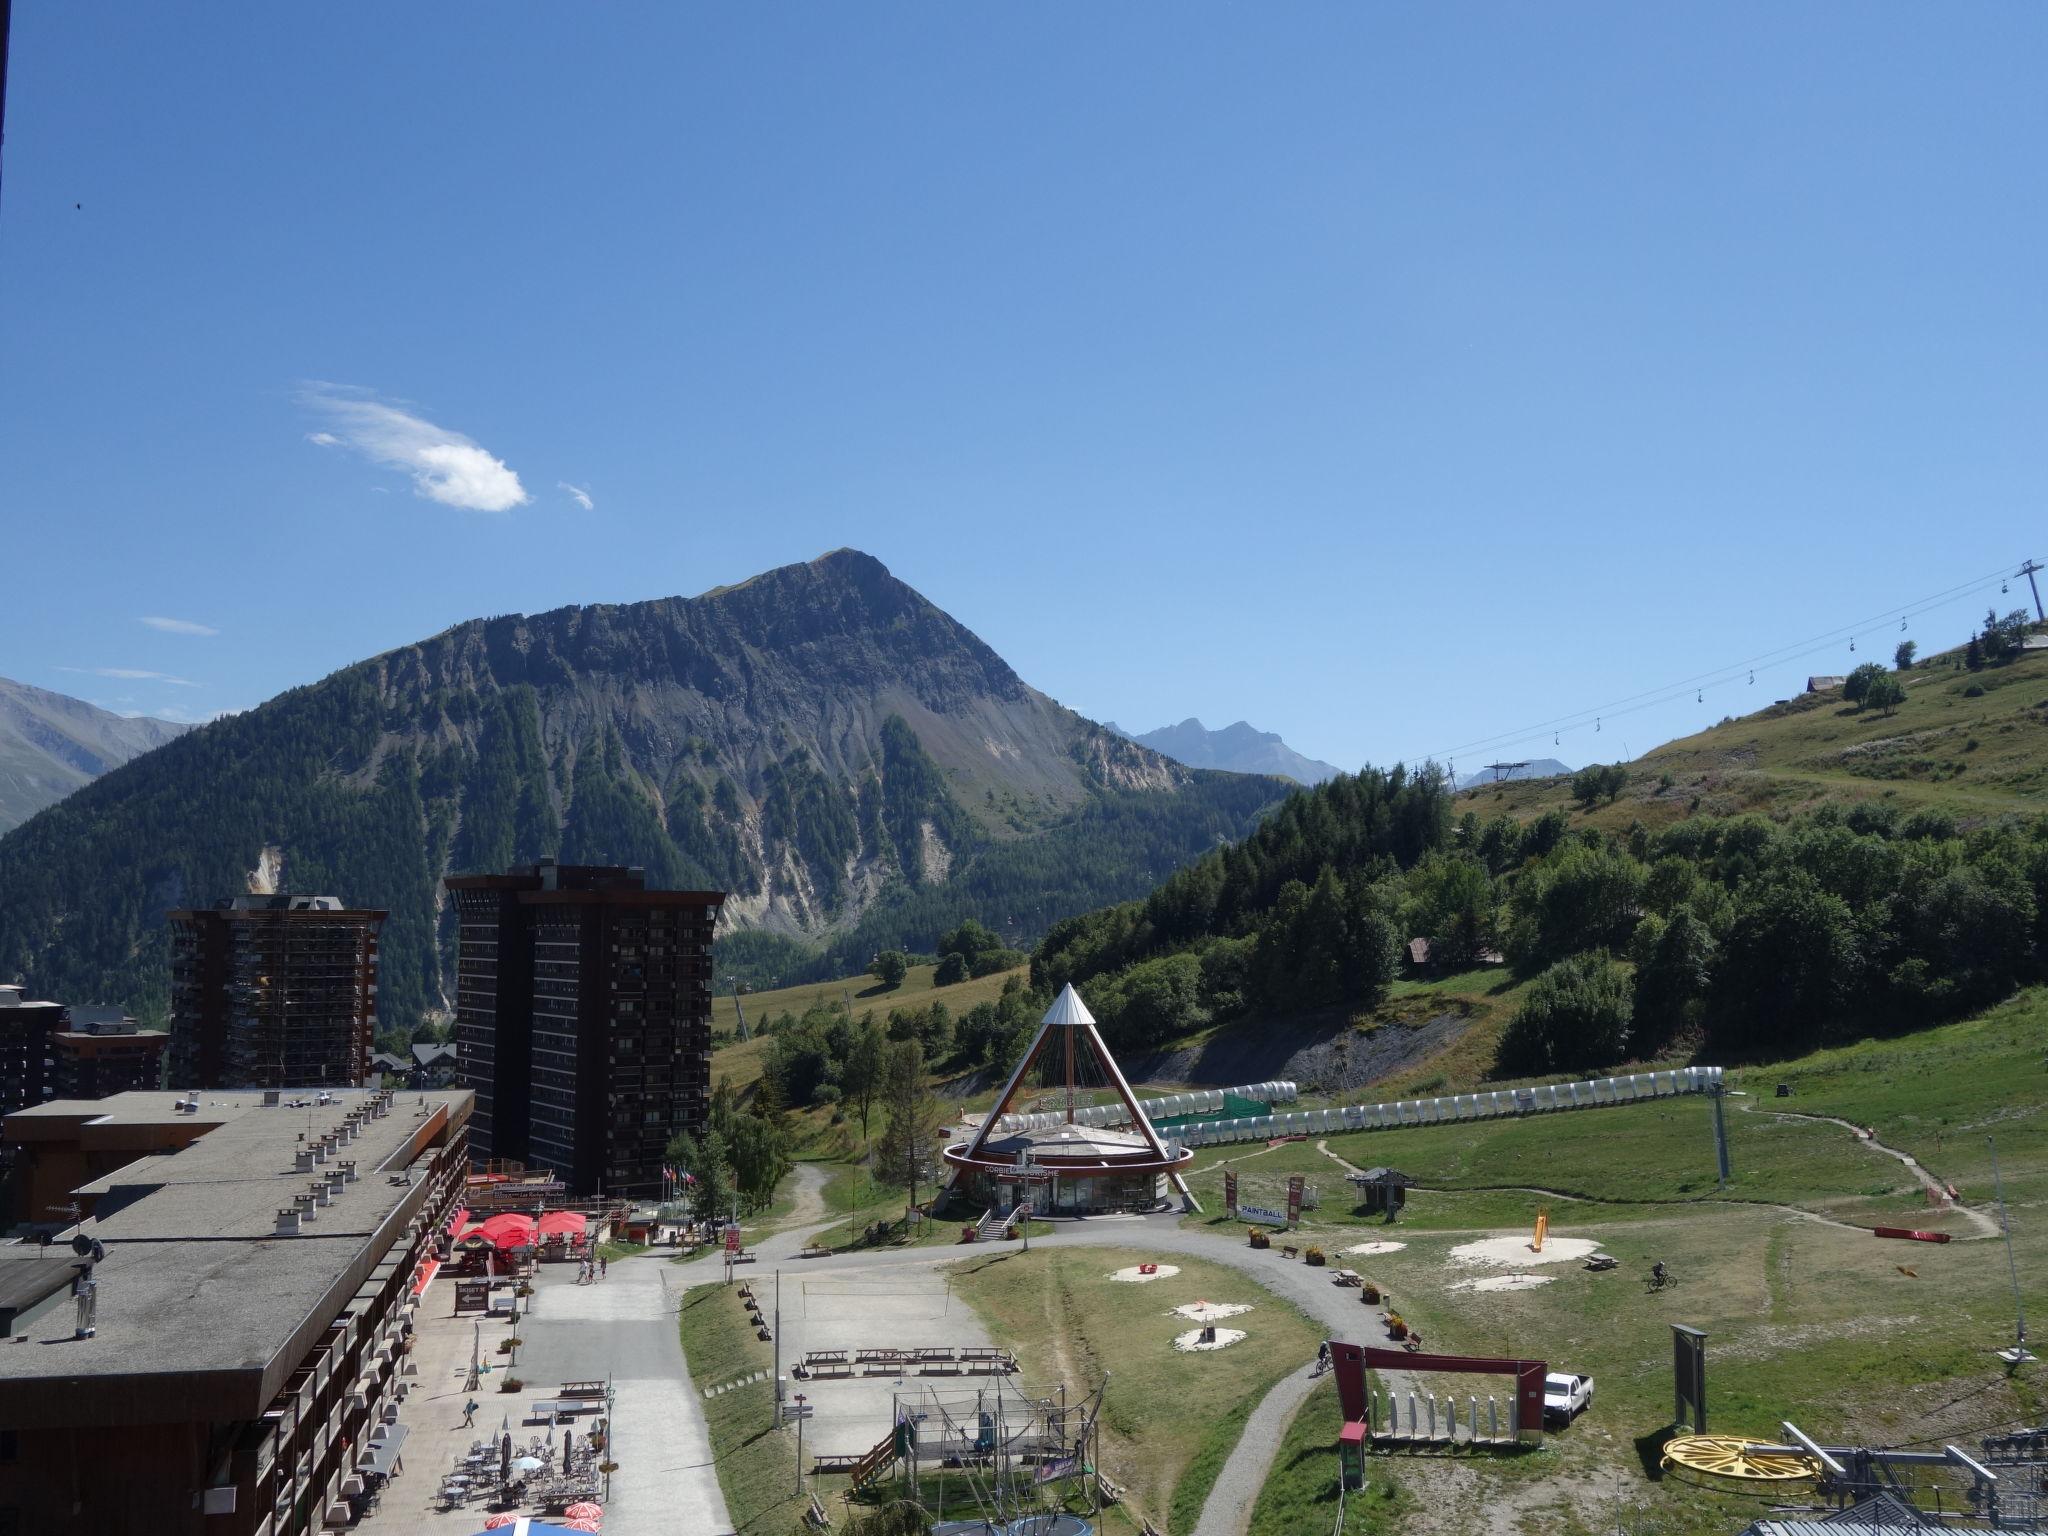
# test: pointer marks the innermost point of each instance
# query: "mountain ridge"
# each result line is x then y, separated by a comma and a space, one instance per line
849, 761
52, 744
1237, 748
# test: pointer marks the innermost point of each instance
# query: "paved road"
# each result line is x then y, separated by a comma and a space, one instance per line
665, 1480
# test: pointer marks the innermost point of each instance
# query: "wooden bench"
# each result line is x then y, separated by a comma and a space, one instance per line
814, 1252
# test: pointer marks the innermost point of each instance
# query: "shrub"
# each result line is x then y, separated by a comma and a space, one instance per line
1575, 1018
1974, 691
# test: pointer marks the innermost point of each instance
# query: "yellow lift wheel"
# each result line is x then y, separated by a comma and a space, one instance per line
1733, 1457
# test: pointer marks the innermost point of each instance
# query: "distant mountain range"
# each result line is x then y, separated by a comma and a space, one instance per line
1538, 768
51, 744
854, 766
1239, 748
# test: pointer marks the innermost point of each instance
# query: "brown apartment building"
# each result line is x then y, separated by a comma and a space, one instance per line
248, 1368
273, 992
583, 1014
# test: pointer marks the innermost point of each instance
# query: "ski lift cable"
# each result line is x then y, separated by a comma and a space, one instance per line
1780, 654
1666, 696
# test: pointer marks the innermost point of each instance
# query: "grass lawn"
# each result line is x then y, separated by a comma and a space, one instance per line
1300, 1494
756, 1463
1168, 1419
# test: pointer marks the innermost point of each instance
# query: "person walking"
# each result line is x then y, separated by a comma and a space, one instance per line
469, 1414
600, 1266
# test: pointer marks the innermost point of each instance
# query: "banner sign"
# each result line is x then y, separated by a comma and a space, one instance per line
732, 1239
1267, 1214
472, 1295
1294, 1183
1230, 1193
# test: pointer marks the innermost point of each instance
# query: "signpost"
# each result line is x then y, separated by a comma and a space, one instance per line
1230, 1193
1689, 1377
1294, 1183
799, 1410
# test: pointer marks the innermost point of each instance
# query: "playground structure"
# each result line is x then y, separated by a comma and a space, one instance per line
1014, 1458
1060, 1163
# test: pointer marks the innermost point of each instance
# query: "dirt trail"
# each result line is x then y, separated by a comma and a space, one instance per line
1985, 1226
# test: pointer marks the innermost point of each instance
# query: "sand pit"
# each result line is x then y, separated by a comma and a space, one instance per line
1380, 1245
1191, 1342
1513, 1252
1130, 1274
1505, 1282
1209, 1311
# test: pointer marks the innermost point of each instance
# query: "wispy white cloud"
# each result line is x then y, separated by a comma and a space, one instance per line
323, 439
132, 675
445, 466
181, 716
579, 495
177, 626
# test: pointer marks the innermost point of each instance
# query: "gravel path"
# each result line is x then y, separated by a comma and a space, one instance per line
1228, 1510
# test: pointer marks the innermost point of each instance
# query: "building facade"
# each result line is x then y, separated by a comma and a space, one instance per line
27, 1053
97, 1059
252, 1300
584, 1019
273, 992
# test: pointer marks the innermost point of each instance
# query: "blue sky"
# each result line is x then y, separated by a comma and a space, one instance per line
1395, 377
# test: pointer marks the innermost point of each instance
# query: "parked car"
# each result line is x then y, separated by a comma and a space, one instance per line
1565, 1397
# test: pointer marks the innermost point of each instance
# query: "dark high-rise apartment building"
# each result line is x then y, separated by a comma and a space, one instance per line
273, 992
583, 1013
27, 1051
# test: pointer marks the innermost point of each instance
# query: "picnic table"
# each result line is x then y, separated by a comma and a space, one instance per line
581, 1389
1347, 1277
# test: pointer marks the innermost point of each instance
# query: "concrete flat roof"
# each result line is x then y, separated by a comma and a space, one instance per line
203, 1311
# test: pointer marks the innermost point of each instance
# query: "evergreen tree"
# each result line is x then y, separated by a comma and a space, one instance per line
860, 1072
908, 1153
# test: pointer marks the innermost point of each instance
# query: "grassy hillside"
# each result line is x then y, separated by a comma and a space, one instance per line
1809, 1316
1974, 756
740, 1060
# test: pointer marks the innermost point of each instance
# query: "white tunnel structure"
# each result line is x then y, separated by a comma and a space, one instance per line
1490, 1105
1194, 1102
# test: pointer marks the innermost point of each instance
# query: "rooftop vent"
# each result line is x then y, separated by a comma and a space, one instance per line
288, 1223
302, 1162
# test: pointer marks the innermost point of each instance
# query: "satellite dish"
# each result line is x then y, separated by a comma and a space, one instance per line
81, 1245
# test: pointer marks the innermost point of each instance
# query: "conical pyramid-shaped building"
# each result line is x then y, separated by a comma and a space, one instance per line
1067, 1168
